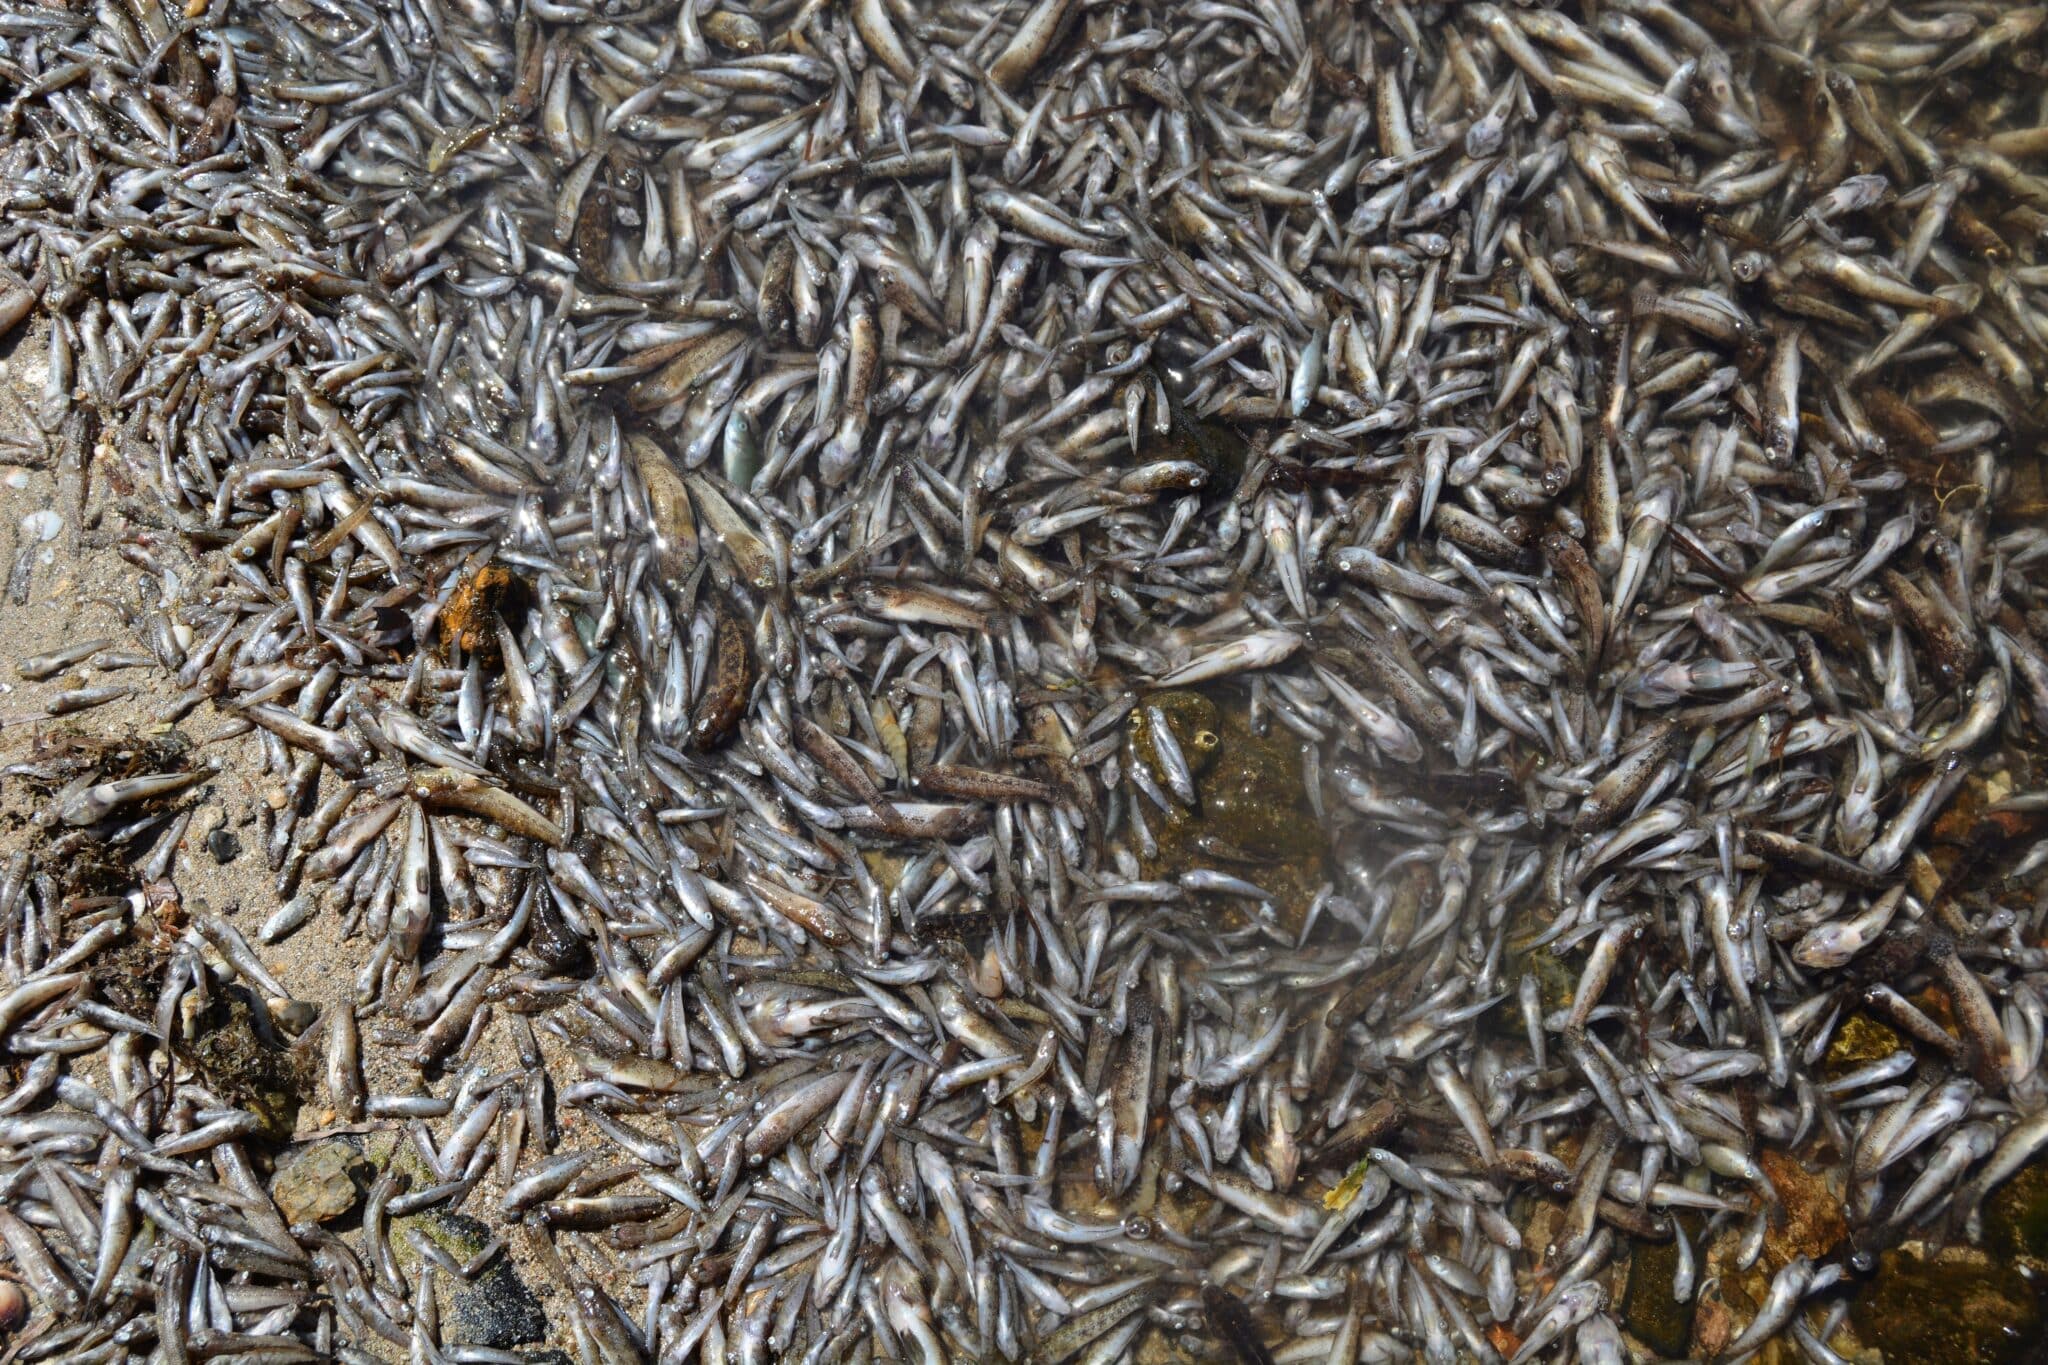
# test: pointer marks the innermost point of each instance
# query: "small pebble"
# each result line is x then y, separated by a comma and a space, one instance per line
41, 526
224, 846
13, 1306
293, 1016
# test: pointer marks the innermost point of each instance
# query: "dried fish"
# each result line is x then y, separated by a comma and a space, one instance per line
942, 666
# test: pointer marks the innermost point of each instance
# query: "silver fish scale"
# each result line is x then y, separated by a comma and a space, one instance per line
711, 513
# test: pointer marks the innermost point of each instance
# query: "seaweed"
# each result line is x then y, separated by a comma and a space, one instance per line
241, 1058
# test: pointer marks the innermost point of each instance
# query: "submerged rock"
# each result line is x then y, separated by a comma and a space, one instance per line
2016, 1218
1252, 816
1648, 1309
1860, 1039
1960, 1307
1809, 1220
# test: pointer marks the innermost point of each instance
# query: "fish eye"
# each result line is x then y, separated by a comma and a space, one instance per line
1206, 739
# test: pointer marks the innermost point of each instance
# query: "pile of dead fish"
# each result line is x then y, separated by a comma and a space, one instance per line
1043, 680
